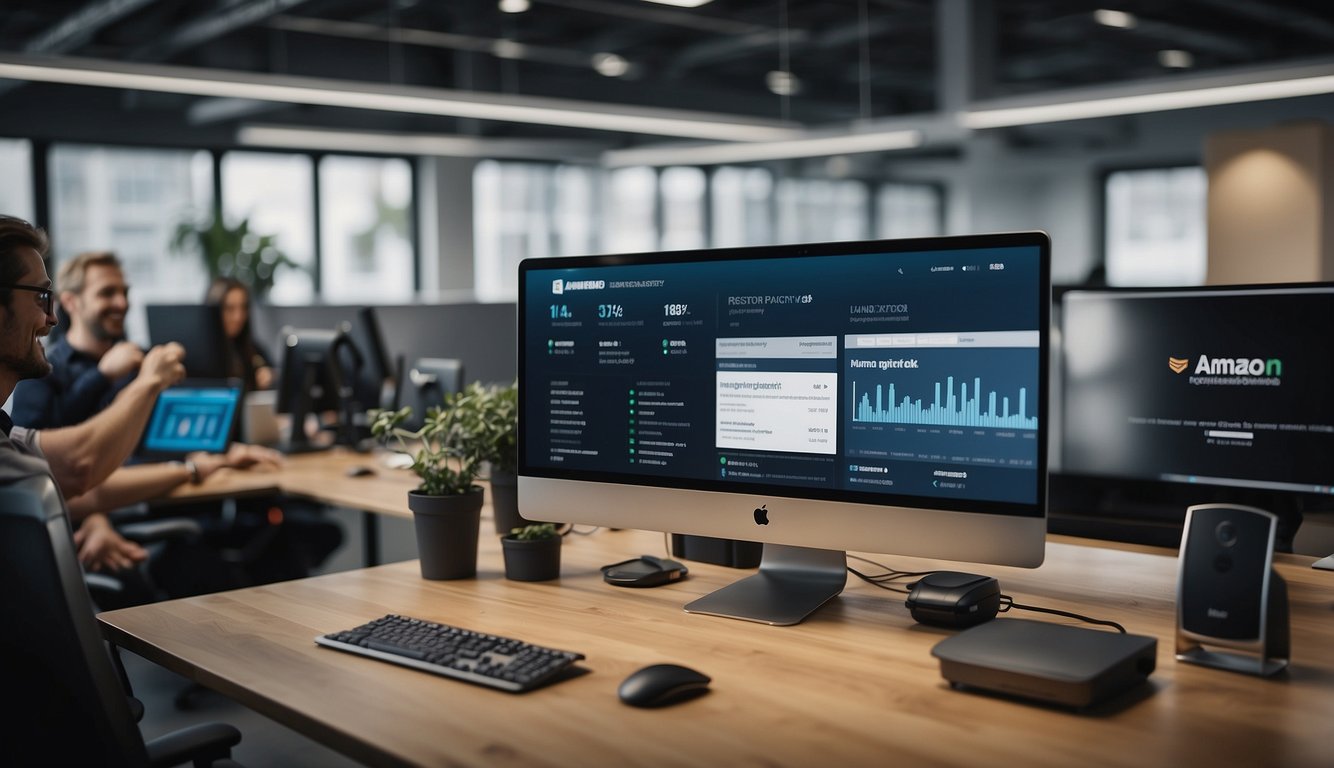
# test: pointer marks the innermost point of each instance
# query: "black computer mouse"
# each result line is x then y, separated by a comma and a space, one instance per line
359, 471
662, 684
953, 599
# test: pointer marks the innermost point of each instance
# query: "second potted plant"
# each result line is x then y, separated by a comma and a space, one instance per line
532, 553
447, 454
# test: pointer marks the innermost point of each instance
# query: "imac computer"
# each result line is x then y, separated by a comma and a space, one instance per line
880, 396
1173, 397
318, 366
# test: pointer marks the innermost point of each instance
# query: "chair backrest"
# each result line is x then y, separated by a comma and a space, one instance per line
67, 704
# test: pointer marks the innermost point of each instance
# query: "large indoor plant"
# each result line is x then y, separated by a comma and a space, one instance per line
447, 454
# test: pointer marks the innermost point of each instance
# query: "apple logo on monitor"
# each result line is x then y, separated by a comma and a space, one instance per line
761, 515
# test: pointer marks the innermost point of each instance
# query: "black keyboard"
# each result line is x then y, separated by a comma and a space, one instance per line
500, 662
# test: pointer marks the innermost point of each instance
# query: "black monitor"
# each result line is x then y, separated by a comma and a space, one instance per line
881, 396
318, 366
426, 383
1175, 397
197, 328
377, 384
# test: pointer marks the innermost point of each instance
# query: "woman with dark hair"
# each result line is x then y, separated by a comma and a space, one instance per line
246, 361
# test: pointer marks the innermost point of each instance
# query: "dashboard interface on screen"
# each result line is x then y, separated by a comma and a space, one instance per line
856, 375
1223, 387
190, 418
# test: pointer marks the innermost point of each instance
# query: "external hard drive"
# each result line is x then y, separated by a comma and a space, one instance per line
1052, 663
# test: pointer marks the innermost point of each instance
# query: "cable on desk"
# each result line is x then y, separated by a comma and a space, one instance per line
887, 581
570, 529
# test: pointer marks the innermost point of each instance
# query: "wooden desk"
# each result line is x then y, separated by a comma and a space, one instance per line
320, 476
855, 685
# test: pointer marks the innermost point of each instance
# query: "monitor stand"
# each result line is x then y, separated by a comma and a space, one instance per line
791, 584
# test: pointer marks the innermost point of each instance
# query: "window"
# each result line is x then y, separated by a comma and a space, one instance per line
908, 210
528, 210
1156, 225
682, 194
274, 192
630, 224
130, 201
16, 166
742, 207
815, 210
366, 253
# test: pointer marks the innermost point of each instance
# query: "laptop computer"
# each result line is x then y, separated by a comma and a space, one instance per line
195, 415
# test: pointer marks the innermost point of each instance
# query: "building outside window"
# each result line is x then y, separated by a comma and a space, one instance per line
630, 223
366, 251
130, 201
682, 194
275, 194
742, 207
1156, 224
16, 166
817, 210
908, 210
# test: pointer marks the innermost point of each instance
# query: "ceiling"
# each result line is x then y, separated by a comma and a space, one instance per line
849, 59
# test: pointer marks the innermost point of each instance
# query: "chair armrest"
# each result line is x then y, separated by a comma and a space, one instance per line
103, 582
201, 744
150, 531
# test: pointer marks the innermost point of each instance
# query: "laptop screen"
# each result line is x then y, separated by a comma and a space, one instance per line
192, 417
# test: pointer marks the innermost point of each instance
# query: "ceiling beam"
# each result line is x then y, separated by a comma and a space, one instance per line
212, 26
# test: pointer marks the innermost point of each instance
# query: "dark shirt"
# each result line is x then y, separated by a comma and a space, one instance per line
74, 390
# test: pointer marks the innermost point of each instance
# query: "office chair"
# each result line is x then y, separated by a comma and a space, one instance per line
121, 589
69, 704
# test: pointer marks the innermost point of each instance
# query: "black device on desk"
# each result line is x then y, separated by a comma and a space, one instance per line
197, 328
645, 571
953, 599
1176, 397
318, 366
191, 416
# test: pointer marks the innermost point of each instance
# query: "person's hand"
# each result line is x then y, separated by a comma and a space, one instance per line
239, 456
123, 358
163, 365
264, 377
101, 548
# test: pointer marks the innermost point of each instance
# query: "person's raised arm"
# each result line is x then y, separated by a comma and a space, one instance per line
83, 455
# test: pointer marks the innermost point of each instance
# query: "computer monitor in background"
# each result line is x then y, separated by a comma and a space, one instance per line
427, 381
197, 328
1176, 397
377, 385
318, 366
881, 396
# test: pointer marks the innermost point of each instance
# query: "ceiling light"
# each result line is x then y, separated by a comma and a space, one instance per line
1176, 59
435, 145
782, 83
682, 3
1118, 19
388, 98
717, 154
514, 6
610, 64
1156, 96
507, 49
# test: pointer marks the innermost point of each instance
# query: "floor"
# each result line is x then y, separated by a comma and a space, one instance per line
264, 743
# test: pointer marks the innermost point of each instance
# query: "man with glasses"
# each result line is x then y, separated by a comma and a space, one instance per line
77, 458
92, 361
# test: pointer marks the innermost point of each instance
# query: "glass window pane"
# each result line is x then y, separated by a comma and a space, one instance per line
629, 224
908, 210
365, 236
816, 210
511, 215
16, 165
682, 208
131, 201
574, 210
742, 207
1156, 224
274, 193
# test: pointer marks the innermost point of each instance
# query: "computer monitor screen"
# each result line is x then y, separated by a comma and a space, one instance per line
1177, 397
883, 396
376, 385
191, 416
318, 365
197, 328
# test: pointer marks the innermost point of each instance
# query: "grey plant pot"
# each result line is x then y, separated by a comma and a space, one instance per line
533, 560
447, 529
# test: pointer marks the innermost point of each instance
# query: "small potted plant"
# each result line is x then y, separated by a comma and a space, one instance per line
447, 454
532, 553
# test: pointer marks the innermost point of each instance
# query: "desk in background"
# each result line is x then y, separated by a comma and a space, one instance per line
854, 685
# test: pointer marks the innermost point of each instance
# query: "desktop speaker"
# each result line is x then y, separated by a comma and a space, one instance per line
1228, 594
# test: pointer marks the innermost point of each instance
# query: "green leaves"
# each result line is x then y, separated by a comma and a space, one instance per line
234, 251
472, 426
534, 532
